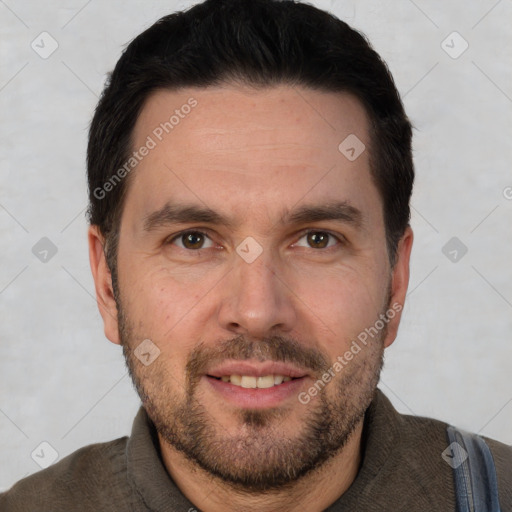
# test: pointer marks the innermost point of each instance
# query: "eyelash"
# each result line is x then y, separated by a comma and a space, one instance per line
339, 238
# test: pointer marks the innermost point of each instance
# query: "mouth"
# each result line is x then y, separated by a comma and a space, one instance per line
256, 385
252, 382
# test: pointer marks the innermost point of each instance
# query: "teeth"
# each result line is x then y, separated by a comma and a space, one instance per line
265, 382
248, 381
236, 380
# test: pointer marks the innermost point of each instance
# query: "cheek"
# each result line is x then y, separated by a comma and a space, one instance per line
158, 296
342, 303
167, 310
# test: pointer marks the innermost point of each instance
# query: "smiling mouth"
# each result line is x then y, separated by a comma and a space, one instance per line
251, 382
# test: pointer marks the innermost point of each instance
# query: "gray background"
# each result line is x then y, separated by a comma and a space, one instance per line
62, 382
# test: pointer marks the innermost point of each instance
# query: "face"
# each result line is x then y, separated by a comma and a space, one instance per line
252, 255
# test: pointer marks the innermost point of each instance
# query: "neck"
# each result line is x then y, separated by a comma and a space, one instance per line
314, 492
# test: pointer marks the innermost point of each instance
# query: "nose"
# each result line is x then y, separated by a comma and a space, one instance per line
256, 300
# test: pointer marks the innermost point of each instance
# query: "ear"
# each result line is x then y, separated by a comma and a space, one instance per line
399, 284
103, 284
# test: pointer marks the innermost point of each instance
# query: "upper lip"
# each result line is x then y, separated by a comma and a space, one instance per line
256, 369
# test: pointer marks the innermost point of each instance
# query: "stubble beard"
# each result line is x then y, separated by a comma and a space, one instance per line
261, 458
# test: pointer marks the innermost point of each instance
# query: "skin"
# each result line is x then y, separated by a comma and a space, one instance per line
251, 154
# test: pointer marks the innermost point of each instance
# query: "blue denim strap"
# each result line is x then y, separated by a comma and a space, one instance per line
476, 485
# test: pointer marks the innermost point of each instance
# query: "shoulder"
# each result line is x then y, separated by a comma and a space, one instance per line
430, 439
502, 454
416, 438
433, 433
77, 482
420, 444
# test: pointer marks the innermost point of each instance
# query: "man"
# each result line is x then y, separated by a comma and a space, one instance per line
250, 172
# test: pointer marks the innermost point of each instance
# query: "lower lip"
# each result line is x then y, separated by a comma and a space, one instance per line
256, 398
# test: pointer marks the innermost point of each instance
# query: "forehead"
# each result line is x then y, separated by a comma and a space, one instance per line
282, 114
253, 150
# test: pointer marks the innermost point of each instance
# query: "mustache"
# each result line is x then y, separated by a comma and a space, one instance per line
273, 348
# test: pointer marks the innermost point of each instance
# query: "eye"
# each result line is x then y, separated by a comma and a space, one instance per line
193, 240
320, 239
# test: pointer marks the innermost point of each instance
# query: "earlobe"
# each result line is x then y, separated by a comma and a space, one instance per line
103, 284
399, 283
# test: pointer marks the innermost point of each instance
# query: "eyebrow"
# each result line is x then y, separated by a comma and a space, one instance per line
170, 213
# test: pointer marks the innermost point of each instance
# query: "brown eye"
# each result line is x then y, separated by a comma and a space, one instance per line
192, 240
318, 239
